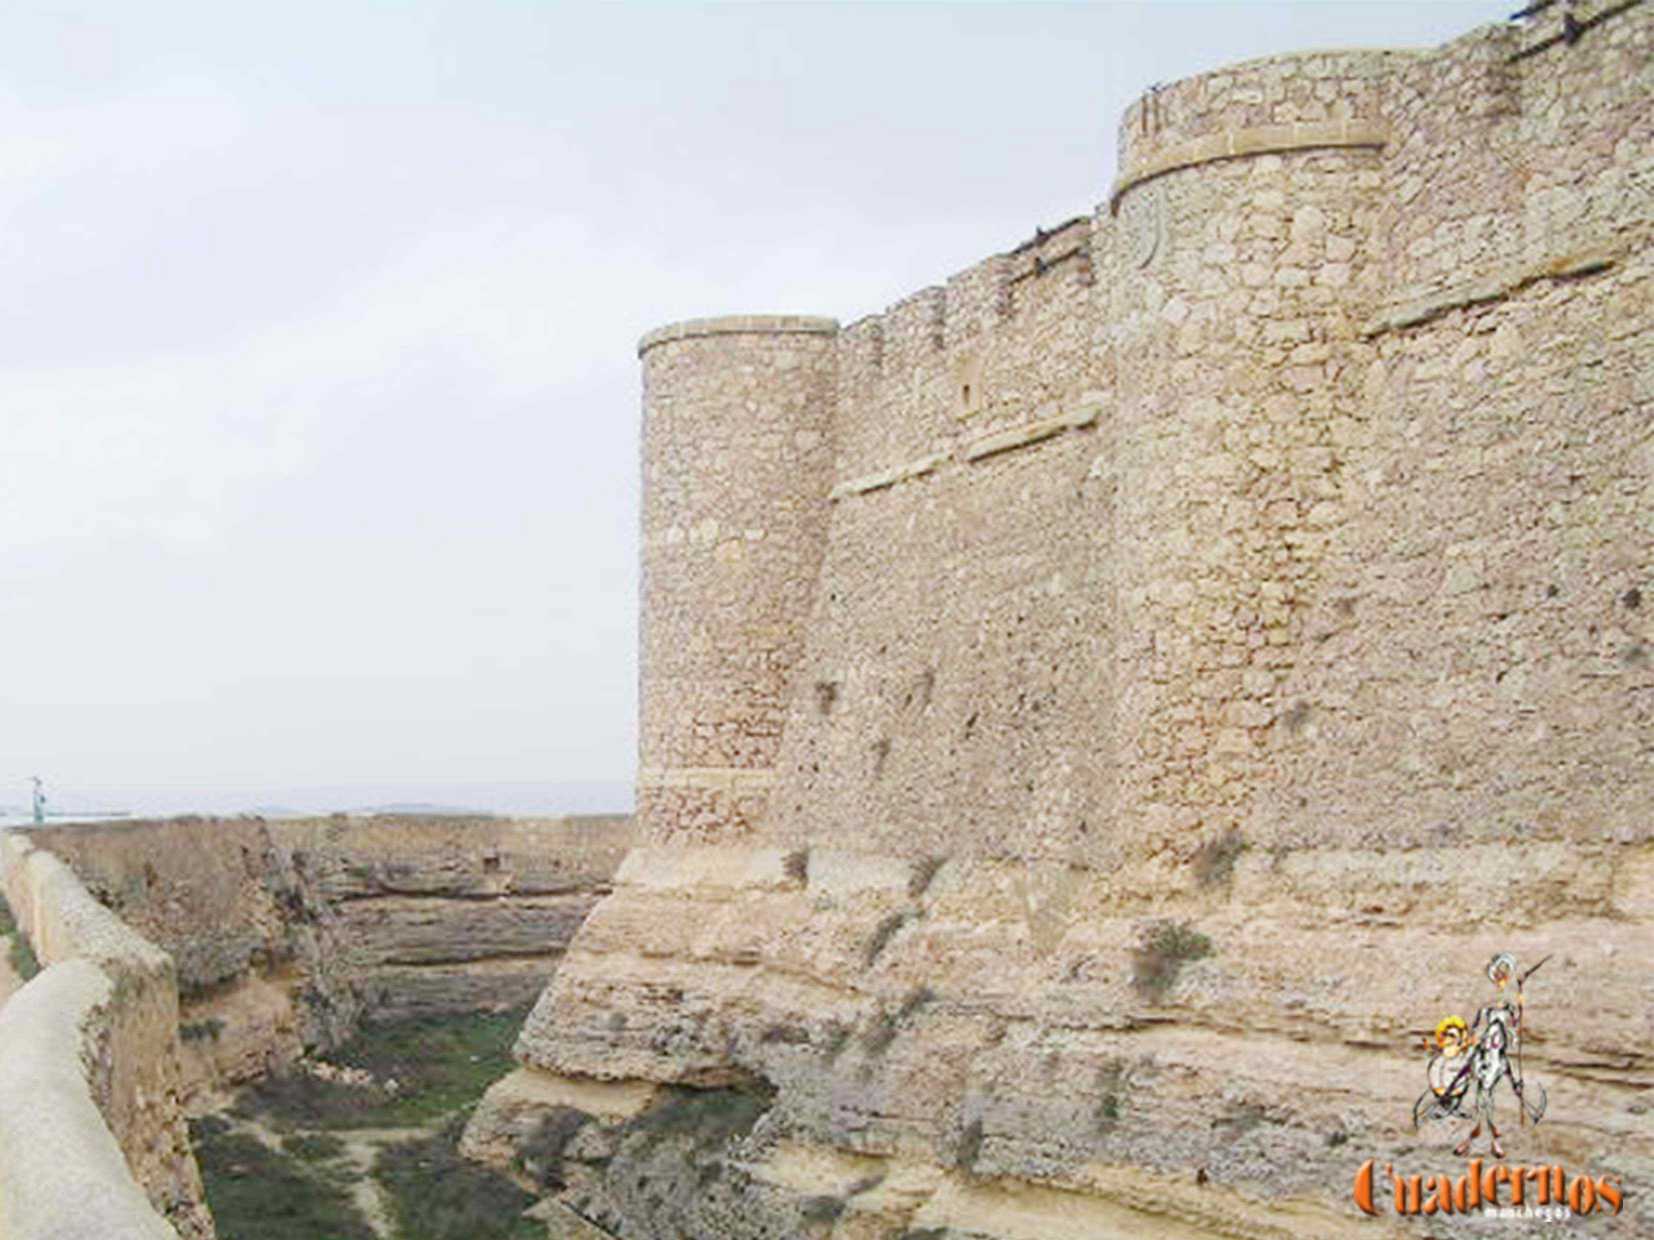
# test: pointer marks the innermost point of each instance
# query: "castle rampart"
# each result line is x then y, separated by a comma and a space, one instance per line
1261, 556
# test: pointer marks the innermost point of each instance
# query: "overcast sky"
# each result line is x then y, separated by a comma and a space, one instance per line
317, 370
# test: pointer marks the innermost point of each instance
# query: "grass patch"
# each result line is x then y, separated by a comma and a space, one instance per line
437, 1195
440, 1063
313, 1147
1165, 948
256, 1193
8, 923
796, 865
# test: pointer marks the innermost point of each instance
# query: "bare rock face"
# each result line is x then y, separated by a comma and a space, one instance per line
287, 934
1100, 715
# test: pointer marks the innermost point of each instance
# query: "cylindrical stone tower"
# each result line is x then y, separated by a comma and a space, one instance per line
1243, 269
737, 462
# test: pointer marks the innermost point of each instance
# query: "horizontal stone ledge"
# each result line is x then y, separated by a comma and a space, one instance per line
1083, 413
739, 325
732, 779
888, 477
1412, 310
1247, 142
1021, 436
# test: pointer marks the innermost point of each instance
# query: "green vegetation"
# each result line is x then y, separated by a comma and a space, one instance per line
437, 1195
821, 1211
882, 934
711, 1116
1111, 1094
256, 1193
318, 1147
439, 1063
304, 1188
541, 1152
21, 953
881, 1032
1165, 948
1214, 861
201, 1030
24, 962
969, 1148
924, 870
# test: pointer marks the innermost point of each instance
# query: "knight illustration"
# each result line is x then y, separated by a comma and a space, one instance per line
1478, 1057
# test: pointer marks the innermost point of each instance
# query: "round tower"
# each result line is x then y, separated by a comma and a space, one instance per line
1243, 266
737, 463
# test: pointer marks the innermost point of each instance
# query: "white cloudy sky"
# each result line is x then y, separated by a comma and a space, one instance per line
317, 383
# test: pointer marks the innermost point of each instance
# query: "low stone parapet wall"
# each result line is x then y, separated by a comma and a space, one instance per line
93, 1142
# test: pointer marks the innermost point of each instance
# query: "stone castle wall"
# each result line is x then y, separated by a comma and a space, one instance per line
1263, 555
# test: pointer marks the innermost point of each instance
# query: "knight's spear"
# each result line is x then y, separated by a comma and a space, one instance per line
1521, 1041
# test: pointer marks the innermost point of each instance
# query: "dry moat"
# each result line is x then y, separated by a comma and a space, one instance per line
1098, 717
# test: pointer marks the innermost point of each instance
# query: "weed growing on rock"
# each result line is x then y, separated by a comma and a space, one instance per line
796, 865
880, 1034
710, 1116
969, 1148
1111, 1095
1214, 861
924, 869
541, 1152
1165, 948
8, 923
822, 1210
882, 934
916, 998
836, 1037
201, 1030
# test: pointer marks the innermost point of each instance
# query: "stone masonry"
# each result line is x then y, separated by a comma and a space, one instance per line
1263, 557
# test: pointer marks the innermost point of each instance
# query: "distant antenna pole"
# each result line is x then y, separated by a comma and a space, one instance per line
39, 802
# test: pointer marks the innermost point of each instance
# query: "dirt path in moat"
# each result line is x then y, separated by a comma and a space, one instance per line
361, 1149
